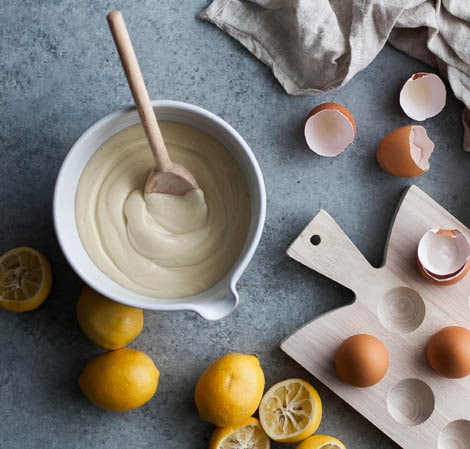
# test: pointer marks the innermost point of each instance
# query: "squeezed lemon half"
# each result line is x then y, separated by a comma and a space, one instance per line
321, 442
25, 279
290, 411
247, 435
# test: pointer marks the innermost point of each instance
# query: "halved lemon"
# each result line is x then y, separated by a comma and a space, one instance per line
25, 279
290, 411
248, 434
321, 442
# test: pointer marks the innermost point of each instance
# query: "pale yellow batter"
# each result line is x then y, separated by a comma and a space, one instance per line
165, 246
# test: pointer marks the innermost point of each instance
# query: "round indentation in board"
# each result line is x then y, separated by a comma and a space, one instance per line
401, 310
456, 435
410, 402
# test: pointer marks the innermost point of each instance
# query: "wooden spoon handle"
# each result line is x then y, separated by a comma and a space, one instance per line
138, 89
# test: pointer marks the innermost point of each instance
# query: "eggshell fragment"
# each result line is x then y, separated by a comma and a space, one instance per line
443, 256
448, 352
361, 360
329, 129
405, 152
423, 96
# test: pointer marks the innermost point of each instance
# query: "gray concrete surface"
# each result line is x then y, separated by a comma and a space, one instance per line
59, 72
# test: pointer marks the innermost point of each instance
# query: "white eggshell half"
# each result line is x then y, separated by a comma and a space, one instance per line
442, 254
423, 96
328, 132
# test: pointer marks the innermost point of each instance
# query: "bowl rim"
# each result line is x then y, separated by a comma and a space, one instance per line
258, 215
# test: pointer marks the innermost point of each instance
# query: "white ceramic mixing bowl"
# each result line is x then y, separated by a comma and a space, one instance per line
213, 303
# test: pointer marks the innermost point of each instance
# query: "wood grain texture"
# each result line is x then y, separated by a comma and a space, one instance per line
395, 304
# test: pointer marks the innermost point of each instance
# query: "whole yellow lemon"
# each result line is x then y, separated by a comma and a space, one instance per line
107, 323
230, 389
120, 380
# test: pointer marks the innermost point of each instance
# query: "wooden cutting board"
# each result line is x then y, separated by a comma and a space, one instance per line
413, 405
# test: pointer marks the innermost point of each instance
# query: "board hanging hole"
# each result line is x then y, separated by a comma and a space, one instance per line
315, 240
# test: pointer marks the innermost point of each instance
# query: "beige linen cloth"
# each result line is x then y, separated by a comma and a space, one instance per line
319, 45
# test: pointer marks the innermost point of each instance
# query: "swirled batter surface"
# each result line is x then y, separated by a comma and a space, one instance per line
164, 246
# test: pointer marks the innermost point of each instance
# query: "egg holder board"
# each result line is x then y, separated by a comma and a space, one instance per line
414, 406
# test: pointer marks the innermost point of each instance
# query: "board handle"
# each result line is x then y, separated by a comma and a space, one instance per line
324, 247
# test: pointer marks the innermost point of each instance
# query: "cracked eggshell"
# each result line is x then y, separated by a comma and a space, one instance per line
423, 96
443, 256
405, 152
329, 129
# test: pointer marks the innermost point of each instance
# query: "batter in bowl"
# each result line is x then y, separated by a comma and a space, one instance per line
159, 245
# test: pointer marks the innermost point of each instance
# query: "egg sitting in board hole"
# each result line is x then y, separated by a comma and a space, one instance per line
329, 129
448, 352
443, 256
423, 96
361, 360
405, 152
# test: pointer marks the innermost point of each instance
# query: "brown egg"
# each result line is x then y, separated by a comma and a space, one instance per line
448, 352
361, 360
405, 152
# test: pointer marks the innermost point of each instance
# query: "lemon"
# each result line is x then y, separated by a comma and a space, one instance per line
321, 442
120, 380
25, 279
290, 411
230, 389
248, 434
107, 323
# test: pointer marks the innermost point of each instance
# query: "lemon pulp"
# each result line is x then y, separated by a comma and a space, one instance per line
25, 279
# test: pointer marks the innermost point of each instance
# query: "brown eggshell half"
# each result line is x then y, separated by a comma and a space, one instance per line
436, 280
338, 107
448, 352
329, 129
405, 152
443, 256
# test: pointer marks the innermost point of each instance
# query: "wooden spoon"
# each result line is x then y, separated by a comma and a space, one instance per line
167, 176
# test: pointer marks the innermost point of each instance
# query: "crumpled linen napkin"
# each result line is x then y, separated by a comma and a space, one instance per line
319, 45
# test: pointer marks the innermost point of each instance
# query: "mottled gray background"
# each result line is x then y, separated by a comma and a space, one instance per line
59, 73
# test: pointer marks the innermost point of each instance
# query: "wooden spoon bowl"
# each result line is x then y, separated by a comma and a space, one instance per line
167, 176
